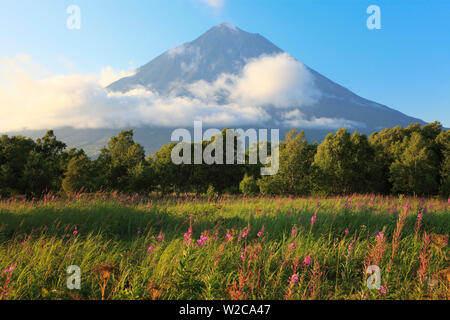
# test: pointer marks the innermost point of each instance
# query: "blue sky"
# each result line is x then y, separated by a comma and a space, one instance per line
405, 65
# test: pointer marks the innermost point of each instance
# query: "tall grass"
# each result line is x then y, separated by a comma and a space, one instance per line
224, 248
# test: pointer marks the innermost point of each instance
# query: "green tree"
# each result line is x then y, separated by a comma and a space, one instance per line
413, 172
14, 153
225, 177
293, 177
443, 141
343, 164
36, 177
53, 153
79, 175
122, 162
249, 186
167, 173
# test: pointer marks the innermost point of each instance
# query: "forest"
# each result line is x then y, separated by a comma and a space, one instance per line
413, 161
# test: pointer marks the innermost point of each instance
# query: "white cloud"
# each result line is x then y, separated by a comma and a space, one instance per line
31, 98
175, 51
109, 75
214, 3
277, 80
295, 118
28, 101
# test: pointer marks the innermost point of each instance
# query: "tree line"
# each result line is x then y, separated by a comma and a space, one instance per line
413, 160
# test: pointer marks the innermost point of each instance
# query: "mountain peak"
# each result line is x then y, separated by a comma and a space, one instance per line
225, 49
227, 26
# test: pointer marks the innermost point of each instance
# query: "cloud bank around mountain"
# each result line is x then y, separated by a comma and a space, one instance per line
32, 98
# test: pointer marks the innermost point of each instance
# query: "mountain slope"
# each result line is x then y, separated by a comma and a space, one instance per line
226, 49
222, 49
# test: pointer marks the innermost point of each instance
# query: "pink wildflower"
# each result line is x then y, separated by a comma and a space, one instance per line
10, 269
313, 220
293, 279
350, 249
188, 235
382, 290
307, 261
294, 230
202, 241
380, 236
243, 254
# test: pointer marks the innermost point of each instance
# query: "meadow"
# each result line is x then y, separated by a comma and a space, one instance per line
231, 247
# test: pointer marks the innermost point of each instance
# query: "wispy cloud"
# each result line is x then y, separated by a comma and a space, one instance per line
30, 98
214, 3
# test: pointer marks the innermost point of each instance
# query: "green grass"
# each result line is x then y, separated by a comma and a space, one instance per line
114, 233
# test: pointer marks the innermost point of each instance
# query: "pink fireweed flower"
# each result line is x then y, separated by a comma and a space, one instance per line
245, 234
187, 238
307, 261
350, 249
382, 290
380, 236
10, 269
75, 232
261, 232
313, 220
294, 230
293, 279
346, 232
188, 235
160, 237
150, 249
228, 236
292, 246
202, 241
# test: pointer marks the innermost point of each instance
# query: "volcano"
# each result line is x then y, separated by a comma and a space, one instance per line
227, 50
